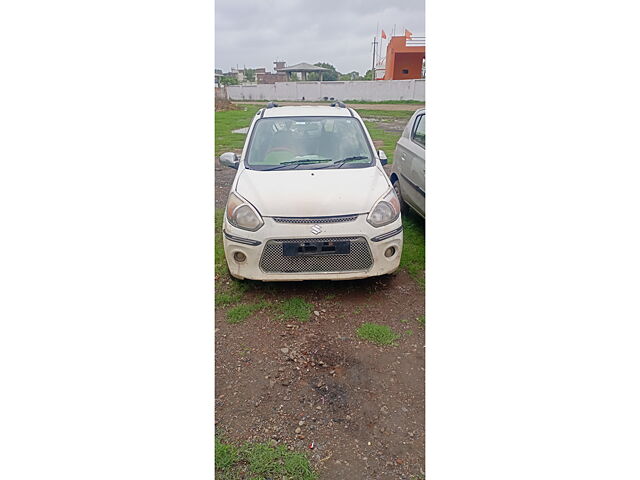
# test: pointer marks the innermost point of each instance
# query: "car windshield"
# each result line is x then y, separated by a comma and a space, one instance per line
305, 143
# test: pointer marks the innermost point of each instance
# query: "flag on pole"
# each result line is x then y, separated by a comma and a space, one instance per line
384, 35
407, 33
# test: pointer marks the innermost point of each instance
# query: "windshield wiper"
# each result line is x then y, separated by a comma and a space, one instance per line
347, 160
297, 163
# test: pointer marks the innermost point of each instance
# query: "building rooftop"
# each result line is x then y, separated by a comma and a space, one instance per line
303, 67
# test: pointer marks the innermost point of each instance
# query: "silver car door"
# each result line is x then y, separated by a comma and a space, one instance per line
413, 169
401, 164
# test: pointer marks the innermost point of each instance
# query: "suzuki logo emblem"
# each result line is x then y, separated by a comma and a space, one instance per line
316, 229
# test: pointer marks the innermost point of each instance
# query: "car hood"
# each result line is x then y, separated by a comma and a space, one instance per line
301, 193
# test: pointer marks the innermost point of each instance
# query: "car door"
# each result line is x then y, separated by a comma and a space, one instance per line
411, 162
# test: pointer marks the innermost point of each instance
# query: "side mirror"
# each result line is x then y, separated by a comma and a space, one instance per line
383, 157
229, 159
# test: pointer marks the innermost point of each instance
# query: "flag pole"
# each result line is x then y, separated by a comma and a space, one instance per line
373, 61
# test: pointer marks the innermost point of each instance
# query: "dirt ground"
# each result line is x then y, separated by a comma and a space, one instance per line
361, 406
411, 107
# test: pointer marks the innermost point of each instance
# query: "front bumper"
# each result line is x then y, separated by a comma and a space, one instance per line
253, 244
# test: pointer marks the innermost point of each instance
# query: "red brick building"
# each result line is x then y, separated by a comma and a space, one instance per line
268, 77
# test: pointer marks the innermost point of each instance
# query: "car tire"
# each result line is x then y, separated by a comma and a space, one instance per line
404, 208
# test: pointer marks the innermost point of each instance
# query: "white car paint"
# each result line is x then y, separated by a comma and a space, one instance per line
301, 193
317, 192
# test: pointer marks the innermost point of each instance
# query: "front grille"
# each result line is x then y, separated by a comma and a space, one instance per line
333, 219
358, 259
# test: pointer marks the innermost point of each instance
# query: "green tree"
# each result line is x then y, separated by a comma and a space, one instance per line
229, 80
349, 76
330, 76
250, 74
368, 75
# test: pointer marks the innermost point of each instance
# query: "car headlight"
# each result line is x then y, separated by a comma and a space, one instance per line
241, 214
385, 211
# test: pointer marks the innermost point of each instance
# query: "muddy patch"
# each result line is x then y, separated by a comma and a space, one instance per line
389, 125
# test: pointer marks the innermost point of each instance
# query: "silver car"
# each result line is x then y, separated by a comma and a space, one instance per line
408, 174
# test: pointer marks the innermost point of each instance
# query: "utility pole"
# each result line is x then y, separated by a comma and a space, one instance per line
373, 67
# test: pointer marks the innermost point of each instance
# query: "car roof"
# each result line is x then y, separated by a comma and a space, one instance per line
306, 111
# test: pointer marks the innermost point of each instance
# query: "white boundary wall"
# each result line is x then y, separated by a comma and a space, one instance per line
377, 91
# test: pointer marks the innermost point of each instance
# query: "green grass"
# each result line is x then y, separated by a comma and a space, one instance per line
408, 332
224, 299
232, 294
420, 320
389, 139
259, 461
226, 455
380, 334
220, 262
295, 308
241, 312
230, 120
386, 114
413, 248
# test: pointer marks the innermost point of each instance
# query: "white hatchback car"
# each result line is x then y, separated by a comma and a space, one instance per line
310, 199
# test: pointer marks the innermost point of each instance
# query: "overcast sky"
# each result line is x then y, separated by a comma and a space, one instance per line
255, 33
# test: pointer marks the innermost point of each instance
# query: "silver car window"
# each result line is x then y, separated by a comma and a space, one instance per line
418, 131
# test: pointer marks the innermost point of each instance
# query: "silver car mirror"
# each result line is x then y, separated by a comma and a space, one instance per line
229, 159
383, 157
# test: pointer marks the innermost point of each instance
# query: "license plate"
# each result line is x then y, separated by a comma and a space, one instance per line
294, 249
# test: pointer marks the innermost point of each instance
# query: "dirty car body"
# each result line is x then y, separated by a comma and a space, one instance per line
310, 199
408, 172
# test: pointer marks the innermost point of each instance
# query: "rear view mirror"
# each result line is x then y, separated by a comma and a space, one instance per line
229, 159
383, 157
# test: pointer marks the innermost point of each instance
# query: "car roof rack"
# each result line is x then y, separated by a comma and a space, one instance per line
339, 104
272, 104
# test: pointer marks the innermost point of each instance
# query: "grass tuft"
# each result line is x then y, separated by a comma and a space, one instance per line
260, 461
241, 312
265, 459
420, 320
226, 455
295, 308
227, 298
380, 334
413, 249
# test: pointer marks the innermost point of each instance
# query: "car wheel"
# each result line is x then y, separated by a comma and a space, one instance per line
404, 208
